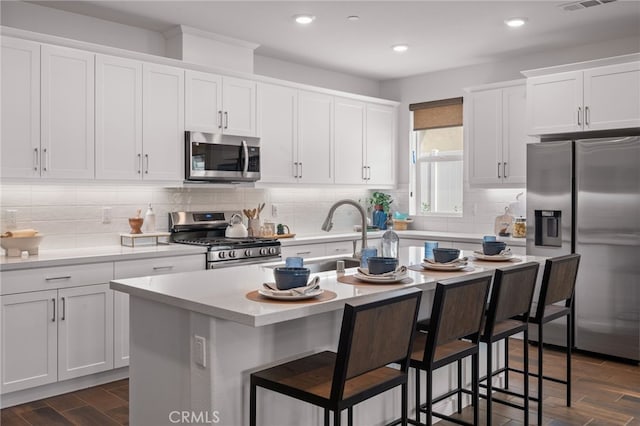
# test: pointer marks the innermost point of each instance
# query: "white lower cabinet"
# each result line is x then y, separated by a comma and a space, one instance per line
142, 268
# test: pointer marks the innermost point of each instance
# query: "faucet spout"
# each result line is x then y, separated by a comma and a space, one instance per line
328, 224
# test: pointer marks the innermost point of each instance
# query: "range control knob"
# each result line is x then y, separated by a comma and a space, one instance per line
232, 253
247, 253
264, 251
272, 250
222, 255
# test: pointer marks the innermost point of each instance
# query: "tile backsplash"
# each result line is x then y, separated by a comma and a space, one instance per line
70, 215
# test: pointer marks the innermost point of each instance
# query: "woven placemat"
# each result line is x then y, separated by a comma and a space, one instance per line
351, 279
257, 297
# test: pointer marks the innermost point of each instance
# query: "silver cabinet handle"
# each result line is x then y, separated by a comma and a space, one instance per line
219, 119
368, 172
303, 252
62, 277
499, 171
295, 169
364, 172
45, 159
36, 165
579, 113
587, 117
162, 268
300, 173
146, 170
139, 163
53, 318
504, 169
64, 308
226, 119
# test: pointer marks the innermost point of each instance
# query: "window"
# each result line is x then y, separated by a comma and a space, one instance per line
437, 160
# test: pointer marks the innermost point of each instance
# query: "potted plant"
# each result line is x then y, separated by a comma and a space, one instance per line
381, 203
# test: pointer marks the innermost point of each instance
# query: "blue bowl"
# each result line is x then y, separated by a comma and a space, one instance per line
380, 265
287, 278
444, 255
491, 248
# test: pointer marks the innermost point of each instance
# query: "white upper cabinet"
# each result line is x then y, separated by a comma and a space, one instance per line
350, 161
496, 136
217, 104
163, 122
118, 118
20, 73
278, 127
67, 108
380, 146
315, 138
599, 98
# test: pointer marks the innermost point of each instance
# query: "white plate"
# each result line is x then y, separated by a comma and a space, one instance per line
270, 295
379, 280
495, 257
443, 266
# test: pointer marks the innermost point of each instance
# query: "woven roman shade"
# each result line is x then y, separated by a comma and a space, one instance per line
437, 114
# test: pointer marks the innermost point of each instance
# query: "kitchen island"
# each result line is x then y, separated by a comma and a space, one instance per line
196, 338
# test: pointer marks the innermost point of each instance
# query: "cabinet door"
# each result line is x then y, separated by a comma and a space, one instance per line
349, 141
612, 97
85, 330
514, 135
120, 329
381, 146
484, 134
203, 102
315, 138
554, 103
20, 130
67, 138
29, 340
239, 100
118, 118
163, 123
278, 128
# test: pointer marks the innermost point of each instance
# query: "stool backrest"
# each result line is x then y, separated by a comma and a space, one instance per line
511, 293
375, 334
558, 281
458, 308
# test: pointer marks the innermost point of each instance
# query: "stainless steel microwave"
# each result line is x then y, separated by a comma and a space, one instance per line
221, 158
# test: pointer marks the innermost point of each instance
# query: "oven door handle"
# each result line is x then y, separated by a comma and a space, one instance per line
245, 155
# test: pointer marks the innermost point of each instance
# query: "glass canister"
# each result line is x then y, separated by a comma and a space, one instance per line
520, 228
390, 243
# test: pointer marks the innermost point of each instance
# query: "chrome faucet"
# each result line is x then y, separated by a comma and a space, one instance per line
328, 224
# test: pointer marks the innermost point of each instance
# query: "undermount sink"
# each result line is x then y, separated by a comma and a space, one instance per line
324, 265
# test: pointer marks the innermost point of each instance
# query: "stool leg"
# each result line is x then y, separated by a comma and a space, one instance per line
326, 417
506, 362
252, 405
429, 397
569, 342
459, 386
525, 347
475, 374
405, 396
489, 384
417, 395
350, 416
336, 417
540, 352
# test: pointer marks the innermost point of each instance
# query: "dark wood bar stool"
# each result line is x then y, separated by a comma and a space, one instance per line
458, 309
558, 285
373, 335
511, 297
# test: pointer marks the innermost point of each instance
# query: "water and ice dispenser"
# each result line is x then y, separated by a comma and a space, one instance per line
548, 228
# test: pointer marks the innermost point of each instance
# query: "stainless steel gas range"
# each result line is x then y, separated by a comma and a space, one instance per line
207, 228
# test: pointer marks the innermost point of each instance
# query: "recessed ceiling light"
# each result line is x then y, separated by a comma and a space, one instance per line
304, 19
400, 47
353, 18
516, 22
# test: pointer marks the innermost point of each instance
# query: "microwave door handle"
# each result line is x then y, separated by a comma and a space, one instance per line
245, 153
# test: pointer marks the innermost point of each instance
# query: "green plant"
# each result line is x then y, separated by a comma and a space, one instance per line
380, 199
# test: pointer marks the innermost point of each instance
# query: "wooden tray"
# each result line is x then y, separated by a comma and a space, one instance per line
284, 235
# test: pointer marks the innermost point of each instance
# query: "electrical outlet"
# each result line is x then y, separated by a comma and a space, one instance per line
200, 351
274, 210
106, 215
12, 219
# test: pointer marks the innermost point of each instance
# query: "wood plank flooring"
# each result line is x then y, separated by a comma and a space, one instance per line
604, 393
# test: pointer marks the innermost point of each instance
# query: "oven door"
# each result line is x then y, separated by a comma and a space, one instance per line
212, 157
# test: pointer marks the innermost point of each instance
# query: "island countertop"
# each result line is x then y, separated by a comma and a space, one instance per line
222, 293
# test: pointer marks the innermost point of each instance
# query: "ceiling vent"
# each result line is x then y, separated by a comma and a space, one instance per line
578, 5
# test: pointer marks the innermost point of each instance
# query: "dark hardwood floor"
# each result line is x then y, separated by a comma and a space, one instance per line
604, 393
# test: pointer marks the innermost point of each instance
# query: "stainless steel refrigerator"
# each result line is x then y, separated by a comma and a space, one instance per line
583, 197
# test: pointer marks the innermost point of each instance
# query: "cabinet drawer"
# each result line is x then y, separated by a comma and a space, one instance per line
305, 250
37, 279
158, 266
341, 247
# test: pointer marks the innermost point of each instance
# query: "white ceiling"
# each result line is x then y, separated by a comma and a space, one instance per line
441, 34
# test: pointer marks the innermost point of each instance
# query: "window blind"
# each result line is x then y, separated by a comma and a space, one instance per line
437, 114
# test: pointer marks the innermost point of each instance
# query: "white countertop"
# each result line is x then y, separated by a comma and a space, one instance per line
46, 258
221, 293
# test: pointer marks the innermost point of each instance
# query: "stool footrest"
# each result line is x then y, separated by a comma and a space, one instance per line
551, 379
